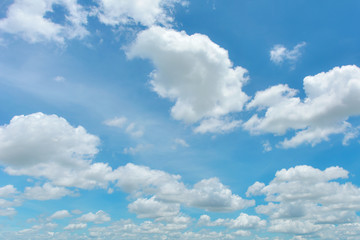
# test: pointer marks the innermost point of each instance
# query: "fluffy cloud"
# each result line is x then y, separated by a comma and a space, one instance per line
244, 221
45, 192
306, 200
331, 98
60, 214
209, 194
98, 217
75, 226
7, 191
27, 18
151, 208
279, 53
195, 73
48, 146
144, 12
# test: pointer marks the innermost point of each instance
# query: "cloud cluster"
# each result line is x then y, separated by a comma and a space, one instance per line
35, 21
28, 19
144, 12
47, 146
195, 73
305, 200
331, 99
209, 194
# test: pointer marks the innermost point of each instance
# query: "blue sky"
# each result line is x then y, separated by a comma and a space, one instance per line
175, 119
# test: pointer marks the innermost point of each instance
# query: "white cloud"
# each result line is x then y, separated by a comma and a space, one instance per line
60, 214
181, 142
48, 146
209, 194
116, 122
7, 191
267, 146
151, 208
27, 19
45, 192
134, 150
75, 226
130, 129
59, 79
306, 200
244, 221
331, 99
279, 53
99, 217
144, 12
195, 73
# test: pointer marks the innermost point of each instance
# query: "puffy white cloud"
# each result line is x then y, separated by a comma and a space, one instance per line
60, 214
144, 12
244, 221
27, 18
306, 200
7, 191
279, 53
209, 194
45, 192
126, 229
331, 99
195, 73
151, 208
75, 226
99, 217
48, 146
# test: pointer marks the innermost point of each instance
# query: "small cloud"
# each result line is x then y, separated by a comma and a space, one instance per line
59, 79
180, 142
134, 150
267, 146
133, 131
280, 54
116, 122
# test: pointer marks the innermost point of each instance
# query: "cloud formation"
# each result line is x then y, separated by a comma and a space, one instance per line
331, 99
27, 18
144, 12
306, 200
196, 74
280, 54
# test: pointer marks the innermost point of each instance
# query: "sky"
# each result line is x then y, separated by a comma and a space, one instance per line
179, 119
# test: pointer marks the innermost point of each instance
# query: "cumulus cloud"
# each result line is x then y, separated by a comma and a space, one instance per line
331, 99
151, 208
196, 74
75, 226
144, 12
98, 217
48, 146
46, 192
116, 122
209, 194
7, 191
27, 18
306, 200
280, 54
244, 221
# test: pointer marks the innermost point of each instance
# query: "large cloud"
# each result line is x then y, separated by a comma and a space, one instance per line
145, 12
194, 72
27, 19
48, 146
306, 200
331, 98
